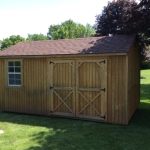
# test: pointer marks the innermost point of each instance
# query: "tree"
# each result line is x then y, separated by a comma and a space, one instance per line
126, 17
69, 29
90, 31
12, 40
142, 12
143, 17
36, 37
115, 18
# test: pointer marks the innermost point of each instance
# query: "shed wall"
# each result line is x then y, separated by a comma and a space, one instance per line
2, 83
33, 97
116, 93
133, 80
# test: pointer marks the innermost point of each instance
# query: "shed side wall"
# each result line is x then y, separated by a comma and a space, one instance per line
133, 79
116, 98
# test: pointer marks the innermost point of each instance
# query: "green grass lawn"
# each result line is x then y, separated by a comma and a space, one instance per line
28, 132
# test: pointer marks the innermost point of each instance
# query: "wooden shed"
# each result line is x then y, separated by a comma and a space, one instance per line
96, 78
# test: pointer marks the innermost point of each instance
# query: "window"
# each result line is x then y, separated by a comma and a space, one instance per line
14, 73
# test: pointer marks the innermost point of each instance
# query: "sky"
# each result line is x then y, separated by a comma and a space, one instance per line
23, 17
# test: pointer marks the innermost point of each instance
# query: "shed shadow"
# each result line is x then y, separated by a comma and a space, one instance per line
145, 91
141, 117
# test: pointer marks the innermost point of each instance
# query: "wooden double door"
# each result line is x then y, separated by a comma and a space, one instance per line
78, 88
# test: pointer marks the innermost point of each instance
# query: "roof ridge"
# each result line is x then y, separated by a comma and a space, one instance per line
65, 39
73, 38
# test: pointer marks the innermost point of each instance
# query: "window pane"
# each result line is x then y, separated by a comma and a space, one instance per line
14, 73
17, 69
11, 82
17, 76
18, 82
17, 63
10, 63
11, 69
11, 76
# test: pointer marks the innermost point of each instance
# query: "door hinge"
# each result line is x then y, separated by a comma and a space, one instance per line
103, 117
51, 87
103, 89
103, 61
51, 62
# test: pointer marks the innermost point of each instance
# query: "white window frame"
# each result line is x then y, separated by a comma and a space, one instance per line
15, 73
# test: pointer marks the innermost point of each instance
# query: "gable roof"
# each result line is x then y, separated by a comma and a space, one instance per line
91, 45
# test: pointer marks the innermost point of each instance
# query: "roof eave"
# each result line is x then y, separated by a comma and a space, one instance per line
62, 55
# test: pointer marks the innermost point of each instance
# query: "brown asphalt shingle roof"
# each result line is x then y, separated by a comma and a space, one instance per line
92, 45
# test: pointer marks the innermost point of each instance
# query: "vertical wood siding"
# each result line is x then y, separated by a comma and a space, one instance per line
116, 101
32, 97
35, 96
133, 80
2, 83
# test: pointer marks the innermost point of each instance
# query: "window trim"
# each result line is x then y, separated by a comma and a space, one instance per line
7, 73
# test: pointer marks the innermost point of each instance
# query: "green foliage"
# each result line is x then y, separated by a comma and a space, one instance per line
36, 37
89, 30
12, 40
145, 65
69, 29
145, 85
